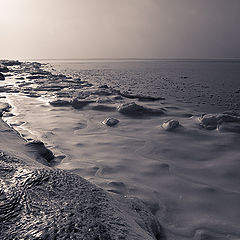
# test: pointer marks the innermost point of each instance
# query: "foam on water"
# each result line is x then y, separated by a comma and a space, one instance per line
188, 176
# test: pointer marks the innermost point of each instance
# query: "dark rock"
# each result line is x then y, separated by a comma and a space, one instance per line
35, 77
10, 62
104, 86
4, 69
134, 109
40, 72
2, 77
61, 76
5, 89
80, 104
110, 122
60, 103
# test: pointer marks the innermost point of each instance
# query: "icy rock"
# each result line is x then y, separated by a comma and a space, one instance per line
170, 125
60, 103
110, 122
80, 104
212, 121
134, 109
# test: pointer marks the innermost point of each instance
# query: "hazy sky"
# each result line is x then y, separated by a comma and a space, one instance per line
119, 28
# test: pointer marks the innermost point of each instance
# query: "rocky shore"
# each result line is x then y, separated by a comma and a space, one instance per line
128, 142
38, 201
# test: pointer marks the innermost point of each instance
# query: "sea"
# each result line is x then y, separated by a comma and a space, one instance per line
189, 176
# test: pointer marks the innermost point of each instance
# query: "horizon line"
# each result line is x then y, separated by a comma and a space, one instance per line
130, 58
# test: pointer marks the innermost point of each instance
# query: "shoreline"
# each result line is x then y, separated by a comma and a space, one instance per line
40, 202
145, 135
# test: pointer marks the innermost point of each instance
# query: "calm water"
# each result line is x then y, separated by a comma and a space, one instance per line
189, 177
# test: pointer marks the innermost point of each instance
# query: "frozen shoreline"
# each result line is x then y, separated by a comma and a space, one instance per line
40, 202
177, 167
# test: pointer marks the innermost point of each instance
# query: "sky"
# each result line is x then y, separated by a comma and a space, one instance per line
54, 29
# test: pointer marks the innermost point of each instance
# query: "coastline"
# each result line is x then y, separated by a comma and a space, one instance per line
145, 148
42, 202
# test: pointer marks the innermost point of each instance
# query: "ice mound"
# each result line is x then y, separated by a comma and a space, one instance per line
214, 121
110, 121
134, 109
170, 125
